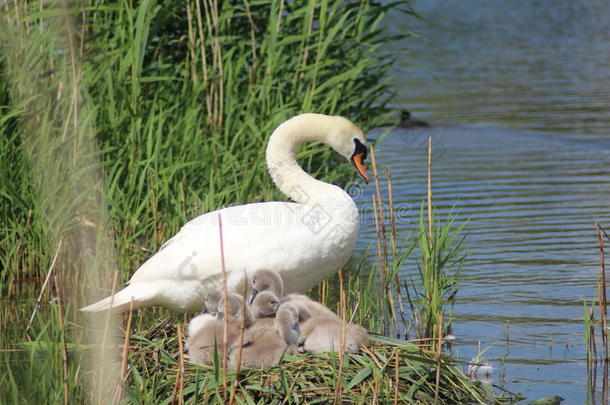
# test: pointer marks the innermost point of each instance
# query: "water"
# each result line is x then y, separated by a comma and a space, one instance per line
518, 97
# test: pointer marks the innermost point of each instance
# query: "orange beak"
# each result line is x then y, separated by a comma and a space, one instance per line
358, 162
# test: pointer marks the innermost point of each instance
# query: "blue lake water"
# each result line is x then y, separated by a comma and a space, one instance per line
517, 95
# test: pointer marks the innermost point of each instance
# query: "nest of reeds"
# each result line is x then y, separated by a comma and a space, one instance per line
387, 371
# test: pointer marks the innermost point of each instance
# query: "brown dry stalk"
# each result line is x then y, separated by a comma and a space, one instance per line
375, 398
155, 207
204, 62
601, 292
379, 248
324, 290
439, 348
242, 331
430, 189
22, 270
252, 41
64, 348
392, 213
279, 15
225, 293
192, 40
179, 385
381, 235
44, 285
396, 375
105, 338
119, 391
210, 94
393, 246
306, 40
339, 385
592, 345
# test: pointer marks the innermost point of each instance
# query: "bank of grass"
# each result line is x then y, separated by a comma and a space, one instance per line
120, 121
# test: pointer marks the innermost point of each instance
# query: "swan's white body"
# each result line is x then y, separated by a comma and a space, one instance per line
306, 241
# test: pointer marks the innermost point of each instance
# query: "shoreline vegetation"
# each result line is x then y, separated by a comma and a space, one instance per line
120, 122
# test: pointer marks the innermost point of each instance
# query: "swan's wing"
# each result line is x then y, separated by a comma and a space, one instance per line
260, 235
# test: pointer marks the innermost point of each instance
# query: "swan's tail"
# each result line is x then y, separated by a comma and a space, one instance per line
120, 302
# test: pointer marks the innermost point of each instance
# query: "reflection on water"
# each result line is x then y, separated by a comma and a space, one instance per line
531, 200
518, 95
537, 65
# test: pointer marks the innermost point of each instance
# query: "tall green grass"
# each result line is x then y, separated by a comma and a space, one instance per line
432, 293
180, 98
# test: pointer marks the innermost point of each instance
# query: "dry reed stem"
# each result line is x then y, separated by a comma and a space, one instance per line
601, 292
210, 91
252, 42
204, 63
379, 248
241, 340
64, 348
439, 348
605, 386
382, 232
342, 310
324, 291
191, 35
306, 41
396, 375
105, 337
225, 292
393, 246
373, 357
181, 365
179, 385
392, 212
375, 398
155, 206
44, 285
592, 345
430, 189
22, 270
123, 376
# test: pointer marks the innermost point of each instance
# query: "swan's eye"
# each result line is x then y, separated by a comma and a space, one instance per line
360, 149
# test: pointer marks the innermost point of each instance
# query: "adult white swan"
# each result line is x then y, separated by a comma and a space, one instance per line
305, 241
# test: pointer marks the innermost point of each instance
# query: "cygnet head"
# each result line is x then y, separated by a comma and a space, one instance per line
287, 321
265, 305
234, 309
266, 280
211, 302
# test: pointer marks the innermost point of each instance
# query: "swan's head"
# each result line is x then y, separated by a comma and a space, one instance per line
337, 132
347, 139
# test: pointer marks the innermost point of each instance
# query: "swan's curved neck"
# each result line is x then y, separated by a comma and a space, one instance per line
286, 173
